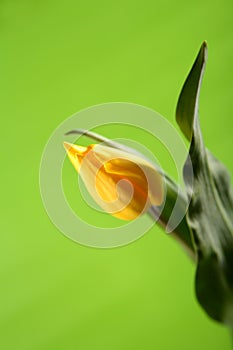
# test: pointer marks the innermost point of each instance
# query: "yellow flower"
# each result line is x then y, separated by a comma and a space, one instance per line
123, 184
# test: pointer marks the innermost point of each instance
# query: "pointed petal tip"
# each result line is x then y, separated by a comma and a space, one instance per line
75, 149
67, 145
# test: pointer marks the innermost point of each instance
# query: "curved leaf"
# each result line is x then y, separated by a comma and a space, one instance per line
210, 213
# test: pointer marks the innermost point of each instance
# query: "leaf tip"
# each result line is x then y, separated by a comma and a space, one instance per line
187, 105
204, 49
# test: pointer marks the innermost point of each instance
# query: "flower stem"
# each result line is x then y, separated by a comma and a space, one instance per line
175, 199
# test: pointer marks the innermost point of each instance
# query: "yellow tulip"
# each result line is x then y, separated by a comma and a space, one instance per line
123, 184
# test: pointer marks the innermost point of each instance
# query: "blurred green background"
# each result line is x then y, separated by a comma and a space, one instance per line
58, 57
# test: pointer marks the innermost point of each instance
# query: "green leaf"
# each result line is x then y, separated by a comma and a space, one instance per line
210, 213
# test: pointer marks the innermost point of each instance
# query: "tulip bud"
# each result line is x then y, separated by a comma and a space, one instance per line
123, 184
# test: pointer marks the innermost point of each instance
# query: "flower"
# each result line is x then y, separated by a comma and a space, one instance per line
123, 184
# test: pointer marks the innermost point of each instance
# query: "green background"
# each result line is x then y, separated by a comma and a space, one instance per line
58, 57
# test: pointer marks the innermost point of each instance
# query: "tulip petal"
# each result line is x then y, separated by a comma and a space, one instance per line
145, 176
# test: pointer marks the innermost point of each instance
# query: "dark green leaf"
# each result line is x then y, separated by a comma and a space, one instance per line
210, 213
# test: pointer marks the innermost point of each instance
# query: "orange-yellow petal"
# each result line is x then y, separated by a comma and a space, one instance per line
123, 184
